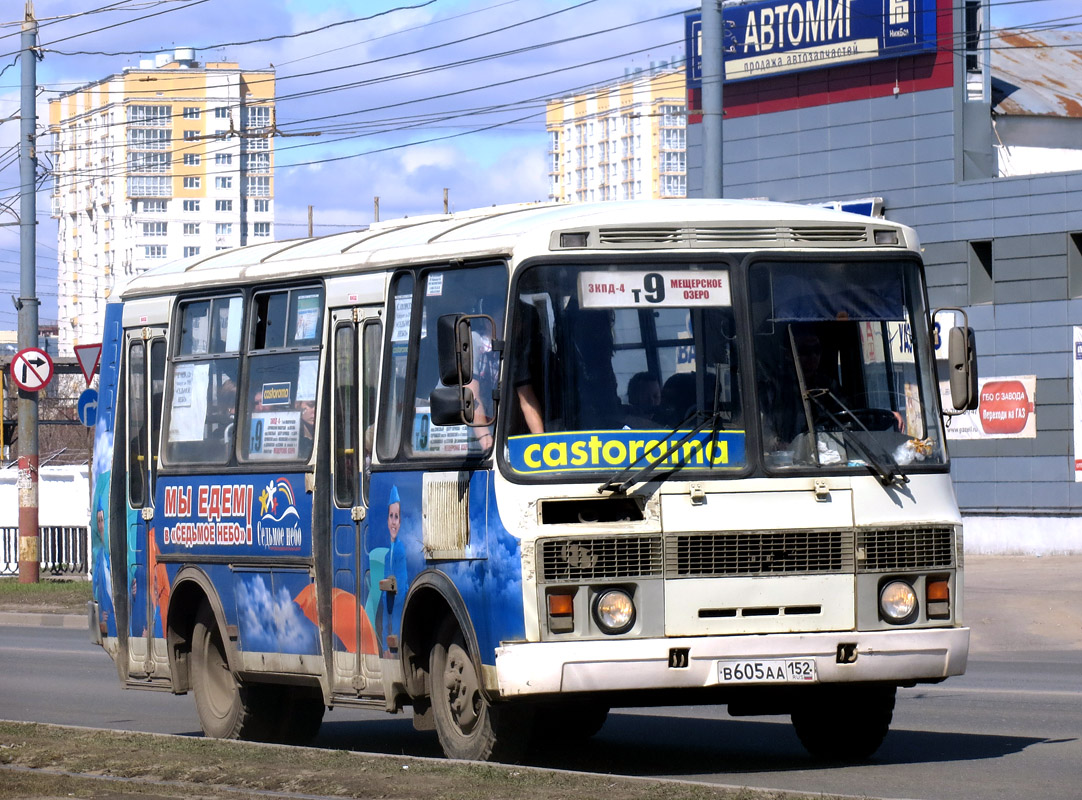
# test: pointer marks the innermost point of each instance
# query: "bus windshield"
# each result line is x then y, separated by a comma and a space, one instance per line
615, 366
843, 379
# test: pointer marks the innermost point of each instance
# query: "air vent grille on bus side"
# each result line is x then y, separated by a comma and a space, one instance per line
905, 548
759, 553
600, 558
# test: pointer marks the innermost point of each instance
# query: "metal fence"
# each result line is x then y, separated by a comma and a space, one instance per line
63, 550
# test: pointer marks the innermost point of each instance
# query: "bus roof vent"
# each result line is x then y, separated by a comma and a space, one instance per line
701, 236
830, 234
658, 237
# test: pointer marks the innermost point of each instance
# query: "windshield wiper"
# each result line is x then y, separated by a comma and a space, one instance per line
887, 475
620, 483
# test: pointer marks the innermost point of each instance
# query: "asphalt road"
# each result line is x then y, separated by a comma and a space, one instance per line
1009, 728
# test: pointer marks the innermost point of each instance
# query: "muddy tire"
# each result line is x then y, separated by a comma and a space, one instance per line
227, 709
468, 726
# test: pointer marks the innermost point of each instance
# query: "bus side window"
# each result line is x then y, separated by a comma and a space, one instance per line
277, 421
203, 391
137, 424
371, 340
345, 415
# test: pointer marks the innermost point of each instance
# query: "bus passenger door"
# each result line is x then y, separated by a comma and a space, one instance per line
356, 337
145, 586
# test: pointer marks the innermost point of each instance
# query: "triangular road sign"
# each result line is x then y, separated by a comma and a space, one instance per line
88, 356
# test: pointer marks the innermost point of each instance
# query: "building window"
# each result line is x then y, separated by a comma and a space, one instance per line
1074, 264
191, 228
258, 186
148, 139
189, 135
261, 229
150, 116
192, 182
257, 116
191, 159
223, 158
155, 229
191, 112
154, 206
147, 186
981, 280
154, 251
191, 205
257, 162
223, 205
149, 162
261, 206
223, 182
223, 228
673, 186
221, 112
191, 251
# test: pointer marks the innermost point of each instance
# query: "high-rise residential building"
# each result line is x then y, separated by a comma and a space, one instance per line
168, 160
620, 142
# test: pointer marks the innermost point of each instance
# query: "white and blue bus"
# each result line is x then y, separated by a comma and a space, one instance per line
515, 467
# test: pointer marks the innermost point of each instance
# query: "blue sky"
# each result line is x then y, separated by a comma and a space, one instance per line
418, 114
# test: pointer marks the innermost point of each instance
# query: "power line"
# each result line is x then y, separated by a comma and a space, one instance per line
262, 40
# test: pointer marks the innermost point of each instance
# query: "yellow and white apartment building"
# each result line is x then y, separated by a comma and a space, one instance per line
169, 160
620, 142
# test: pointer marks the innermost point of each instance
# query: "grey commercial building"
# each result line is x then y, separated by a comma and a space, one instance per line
973, 139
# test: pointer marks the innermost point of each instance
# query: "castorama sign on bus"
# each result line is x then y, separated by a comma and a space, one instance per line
772, 37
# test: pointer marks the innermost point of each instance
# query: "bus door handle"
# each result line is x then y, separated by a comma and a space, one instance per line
357, 513
148, 513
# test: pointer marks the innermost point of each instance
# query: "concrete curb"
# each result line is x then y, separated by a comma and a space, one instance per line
26, 619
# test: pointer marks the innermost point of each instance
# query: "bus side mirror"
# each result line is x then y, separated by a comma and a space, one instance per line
451, 405
454, 345
962, 360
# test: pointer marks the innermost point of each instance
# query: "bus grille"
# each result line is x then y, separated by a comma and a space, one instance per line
600, 558
732, 553
905, 548
759, 553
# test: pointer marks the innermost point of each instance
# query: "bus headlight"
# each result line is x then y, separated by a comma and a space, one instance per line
898, 602
614, 611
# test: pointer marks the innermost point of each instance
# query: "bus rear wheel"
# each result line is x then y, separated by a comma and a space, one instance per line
227, 709
468, 726
844, 723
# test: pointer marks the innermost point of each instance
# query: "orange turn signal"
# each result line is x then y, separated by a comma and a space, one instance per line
938, 591
561, 605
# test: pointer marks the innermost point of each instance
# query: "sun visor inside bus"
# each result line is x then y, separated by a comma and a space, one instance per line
866, 292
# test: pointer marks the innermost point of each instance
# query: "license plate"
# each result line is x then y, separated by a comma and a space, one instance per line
770, 670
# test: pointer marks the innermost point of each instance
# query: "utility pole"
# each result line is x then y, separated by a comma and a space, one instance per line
446, 204
309, 222
375, 209
713, 46
29, 558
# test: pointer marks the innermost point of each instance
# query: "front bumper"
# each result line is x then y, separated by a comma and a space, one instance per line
642, 664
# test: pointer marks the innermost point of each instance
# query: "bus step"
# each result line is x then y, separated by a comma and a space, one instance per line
150, 684
354, 701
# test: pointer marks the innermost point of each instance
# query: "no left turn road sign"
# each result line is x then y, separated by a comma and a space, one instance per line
32, 369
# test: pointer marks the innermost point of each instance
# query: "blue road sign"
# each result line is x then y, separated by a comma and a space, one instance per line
88, 407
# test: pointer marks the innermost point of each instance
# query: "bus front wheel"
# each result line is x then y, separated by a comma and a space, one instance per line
468, 726
844, 722
227, 709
